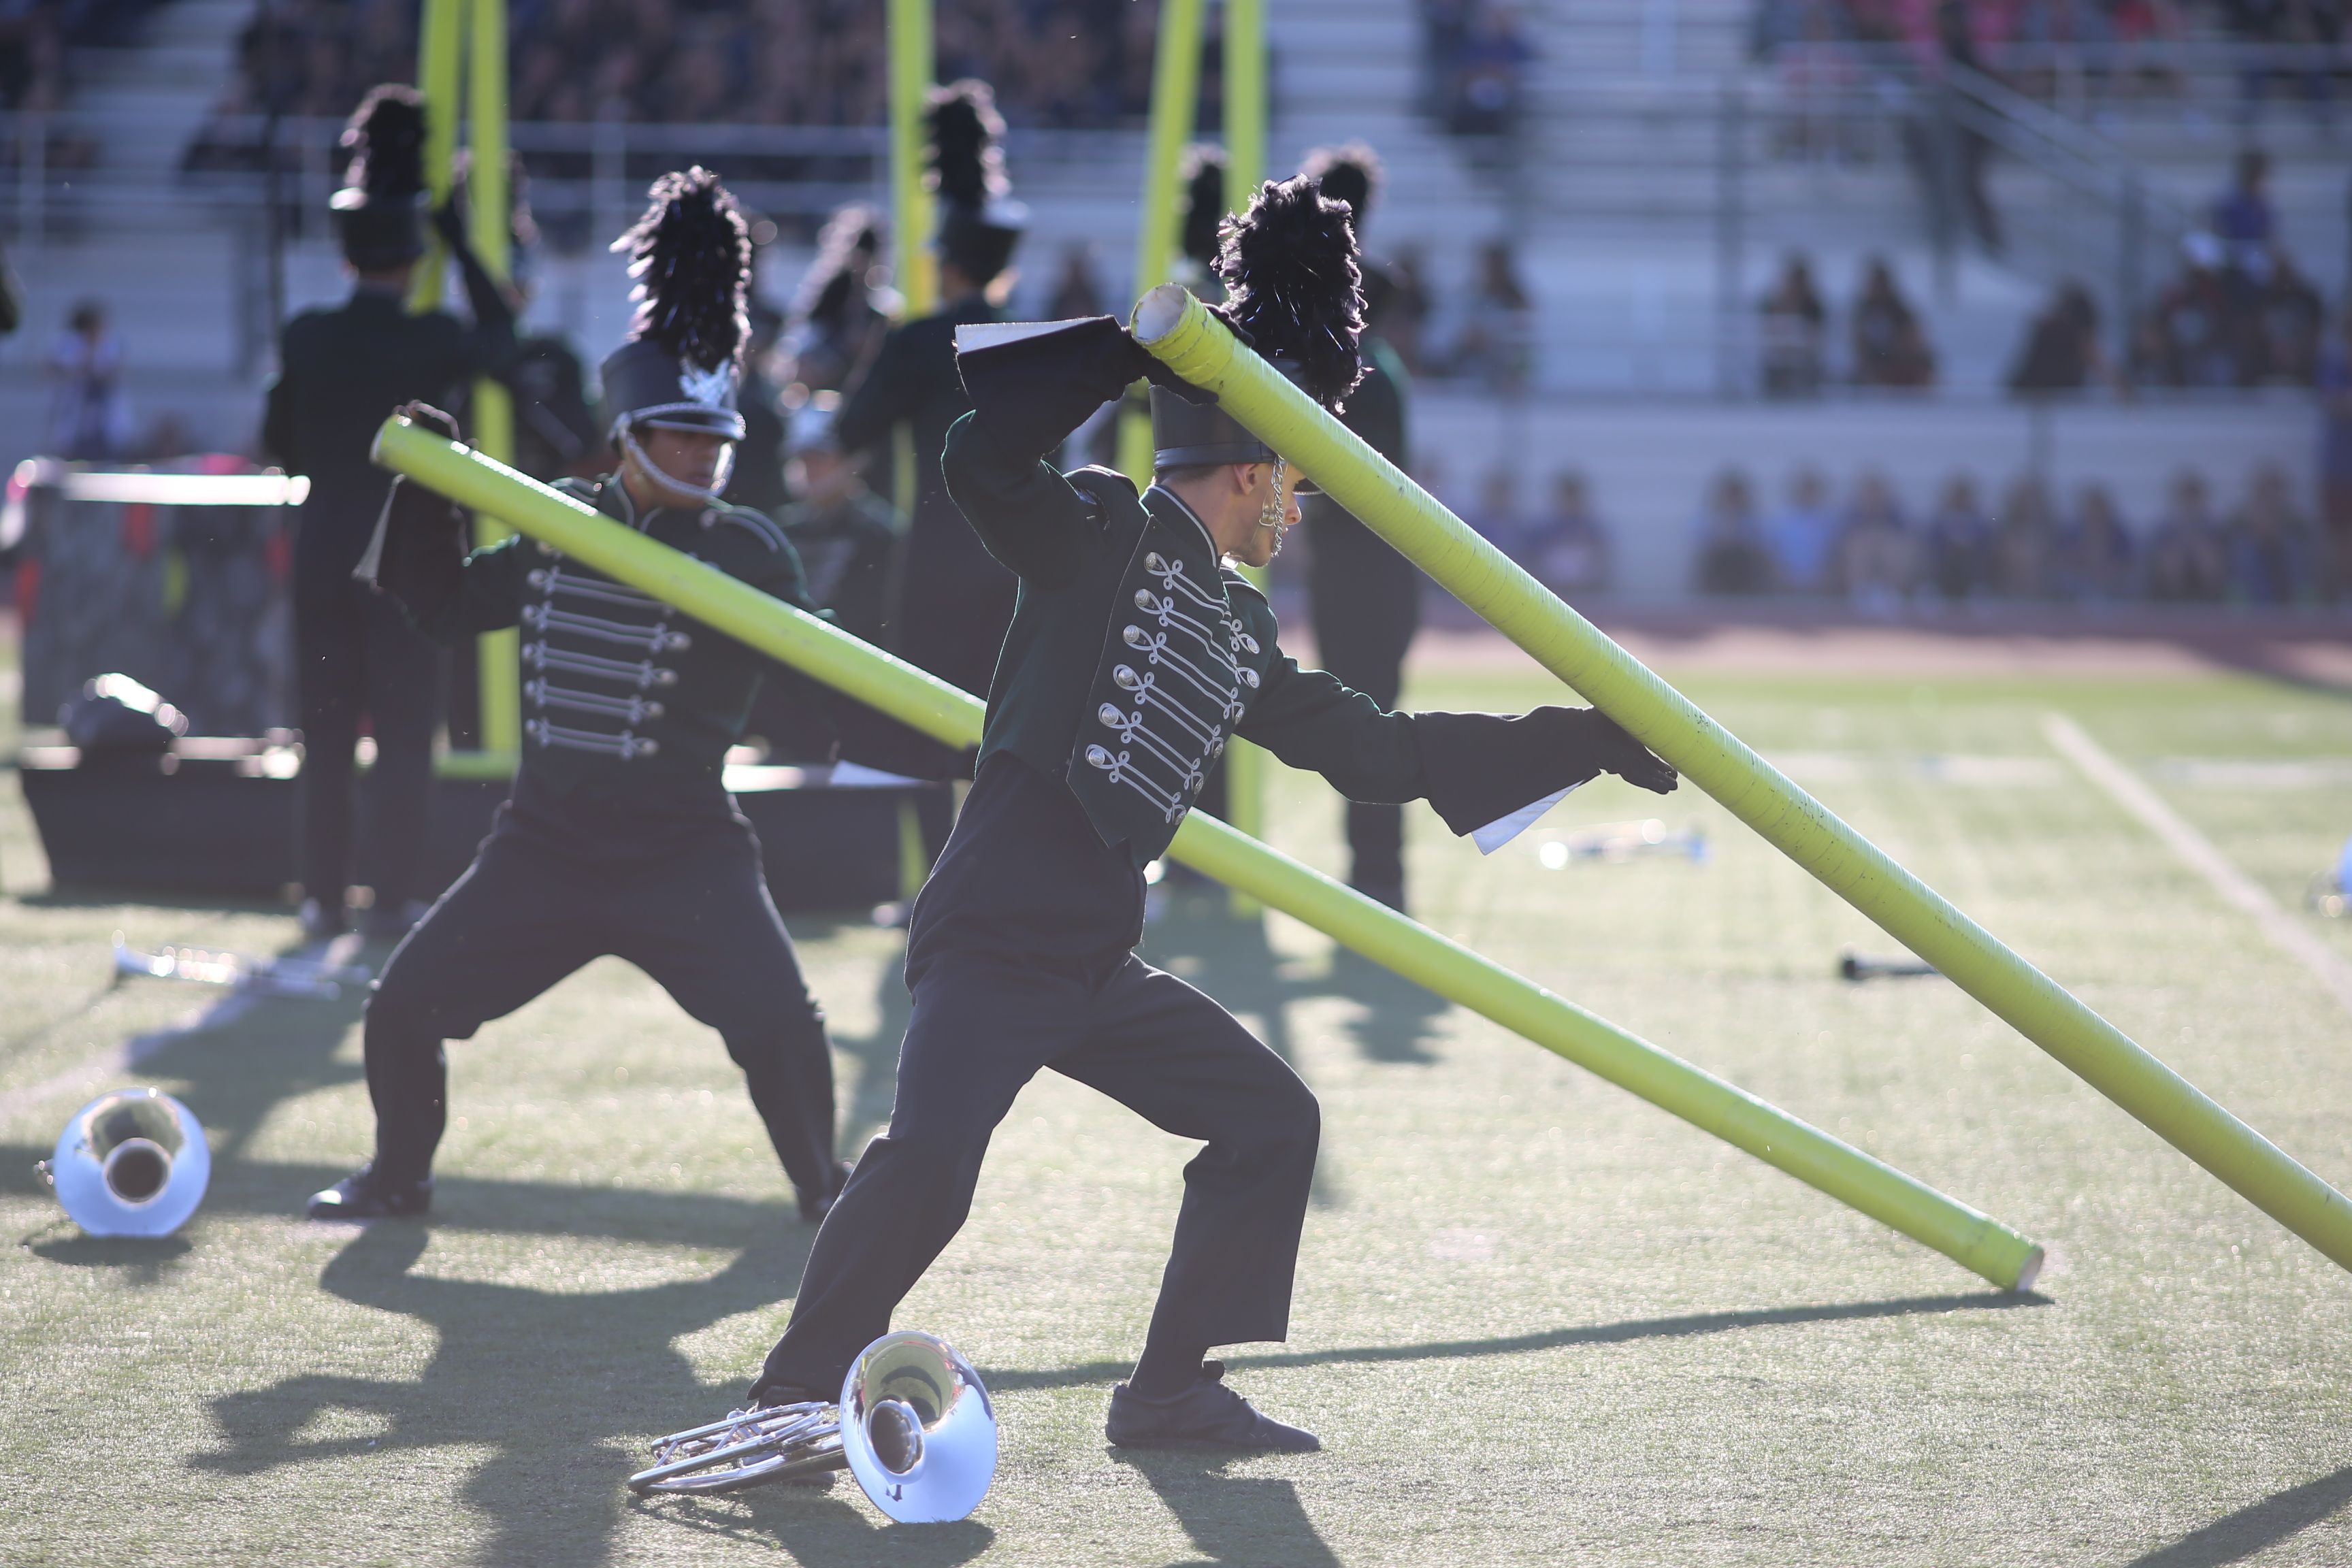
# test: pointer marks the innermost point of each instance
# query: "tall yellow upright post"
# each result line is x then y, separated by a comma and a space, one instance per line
440, 57
1247, 767
910, 204
490, 227
1175, 88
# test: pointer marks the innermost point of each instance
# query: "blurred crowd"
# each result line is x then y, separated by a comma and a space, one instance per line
2113, 47
1070, 63
35, 33
2237, 313
2260, 549
1885, 344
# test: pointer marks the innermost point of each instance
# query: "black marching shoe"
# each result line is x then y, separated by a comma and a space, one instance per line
1208, 1413
363, 1195
814, 1210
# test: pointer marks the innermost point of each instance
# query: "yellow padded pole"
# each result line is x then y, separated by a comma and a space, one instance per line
922, 700
1181, 333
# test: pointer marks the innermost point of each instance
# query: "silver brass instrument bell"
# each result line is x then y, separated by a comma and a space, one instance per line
130, 1163
914, 1424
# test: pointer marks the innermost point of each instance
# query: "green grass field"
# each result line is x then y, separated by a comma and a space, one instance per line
1537, 1321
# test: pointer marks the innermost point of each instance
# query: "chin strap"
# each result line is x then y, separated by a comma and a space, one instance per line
1275, 508
627, 436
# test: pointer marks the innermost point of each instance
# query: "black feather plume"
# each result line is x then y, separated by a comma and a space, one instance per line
691, 256
1350, 173
1293, 288
967, 165
385, 138
1204, 203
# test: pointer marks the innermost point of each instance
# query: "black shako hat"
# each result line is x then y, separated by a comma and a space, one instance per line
691, 256
979, 222
1293, 293
380, 211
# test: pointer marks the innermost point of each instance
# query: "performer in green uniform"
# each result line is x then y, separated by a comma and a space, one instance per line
1136, 654
340, 370
621, 836
954, 599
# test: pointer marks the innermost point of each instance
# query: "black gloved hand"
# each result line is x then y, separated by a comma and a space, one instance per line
419, 553
1480, 767
1029, 387
1617, 751
432, 418
449, 217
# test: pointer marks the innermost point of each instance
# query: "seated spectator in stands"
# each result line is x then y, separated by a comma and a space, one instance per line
90, 412
1732, 557
1958, 544
2187, 558
1493, 347
2201, 319
1875, 558
2334, 383
2023, 542
1802, 536
2243, 219
1487, 73
1497, 517
1076, 292
2273, 549
1795, 324
1569, 551
2094, 551
2155, 358
2292, 319
2061, 350
1890, 347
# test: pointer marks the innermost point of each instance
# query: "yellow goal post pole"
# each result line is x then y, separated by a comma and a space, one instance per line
1248, 769
1179, 330
490, 229
1175, 88
819, 649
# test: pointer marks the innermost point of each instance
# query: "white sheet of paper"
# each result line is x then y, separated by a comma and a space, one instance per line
1503, 829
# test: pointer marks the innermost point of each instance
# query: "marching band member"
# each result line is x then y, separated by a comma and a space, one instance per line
1135, 653
620, 836
340, 370
954, 600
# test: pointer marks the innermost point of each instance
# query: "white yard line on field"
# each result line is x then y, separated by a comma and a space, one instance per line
2195, 851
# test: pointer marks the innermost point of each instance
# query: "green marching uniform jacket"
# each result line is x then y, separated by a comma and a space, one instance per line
625, 703
1135, 656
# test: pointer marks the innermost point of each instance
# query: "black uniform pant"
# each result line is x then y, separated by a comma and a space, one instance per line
357, 657
983, 1026
1366, 605
693, 912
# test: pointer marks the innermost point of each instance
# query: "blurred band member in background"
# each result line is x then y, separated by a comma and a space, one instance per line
341, 372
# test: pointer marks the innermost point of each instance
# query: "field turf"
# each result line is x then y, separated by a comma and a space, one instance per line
1538, 1322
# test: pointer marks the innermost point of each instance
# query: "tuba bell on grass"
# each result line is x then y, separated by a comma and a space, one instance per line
914, 1424
130, 1163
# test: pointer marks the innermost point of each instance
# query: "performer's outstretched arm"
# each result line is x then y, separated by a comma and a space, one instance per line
1473, 768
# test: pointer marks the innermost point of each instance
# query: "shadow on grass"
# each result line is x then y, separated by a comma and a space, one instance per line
1106, 1372
560, 1389
1233, 961
820, 1526
480, 1204
1240, 1521
2252, 1529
